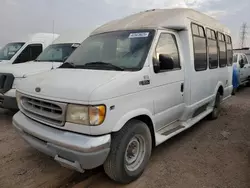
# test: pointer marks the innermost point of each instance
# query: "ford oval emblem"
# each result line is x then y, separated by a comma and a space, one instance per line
38, 89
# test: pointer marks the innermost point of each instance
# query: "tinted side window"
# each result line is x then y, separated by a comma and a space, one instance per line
212, 49
167, 45
229, 51
200, 49
31, 52
222, 50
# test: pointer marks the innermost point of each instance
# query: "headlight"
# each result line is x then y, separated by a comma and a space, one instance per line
86, 115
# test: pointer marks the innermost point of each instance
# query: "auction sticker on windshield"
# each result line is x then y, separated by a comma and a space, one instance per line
138, 35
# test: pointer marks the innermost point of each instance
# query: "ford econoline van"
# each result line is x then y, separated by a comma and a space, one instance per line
52, 57
131, 85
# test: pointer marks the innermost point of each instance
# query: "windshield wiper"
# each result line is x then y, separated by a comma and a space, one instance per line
100, 63
67, 65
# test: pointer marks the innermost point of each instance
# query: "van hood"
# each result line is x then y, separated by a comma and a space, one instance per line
28, 68
4, 62
68, 85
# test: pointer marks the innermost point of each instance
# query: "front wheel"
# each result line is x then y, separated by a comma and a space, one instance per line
130, 152
217, 107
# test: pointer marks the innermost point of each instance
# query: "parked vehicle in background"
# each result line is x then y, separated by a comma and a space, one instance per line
245, 51
242, 63
52, 57
130, 86
25, 50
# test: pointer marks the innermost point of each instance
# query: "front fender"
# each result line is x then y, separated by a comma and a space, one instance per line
130, 115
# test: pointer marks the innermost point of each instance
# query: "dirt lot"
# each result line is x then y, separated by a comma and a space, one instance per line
212, 154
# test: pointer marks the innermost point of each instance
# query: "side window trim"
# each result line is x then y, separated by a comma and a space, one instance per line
205, 37
178, 51
223, 36
208, 52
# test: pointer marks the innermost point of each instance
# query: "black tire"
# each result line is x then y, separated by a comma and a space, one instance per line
217, 107
234, 91
115, 165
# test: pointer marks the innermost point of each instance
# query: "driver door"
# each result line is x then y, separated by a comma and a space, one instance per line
168, 84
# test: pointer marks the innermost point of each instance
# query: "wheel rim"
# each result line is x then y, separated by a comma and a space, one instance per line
135, 153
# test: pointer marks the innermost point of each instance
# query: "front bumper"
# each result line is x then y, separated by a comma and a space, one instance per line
8, 102
72, 150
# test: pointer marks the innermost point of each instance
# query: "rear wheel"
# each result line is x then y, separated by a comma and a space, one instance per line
130, 152
217, 107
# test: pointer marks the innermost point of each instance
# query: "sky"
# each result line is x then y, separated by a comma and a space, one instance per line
19, 18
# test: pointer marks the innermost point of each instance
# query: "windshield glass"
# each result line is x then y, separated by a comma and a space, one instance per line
57, 52
248, 57
7, 52
119, 50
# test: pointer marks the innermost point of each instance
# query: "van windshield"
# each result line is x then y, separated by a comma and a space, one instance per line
8, 51
248, 57
57, 52
118, 50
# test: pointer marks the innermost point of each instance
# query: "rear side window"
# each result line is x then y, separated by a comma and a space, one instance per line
222, 50
30, 53
212, 49
200, 47
229, 50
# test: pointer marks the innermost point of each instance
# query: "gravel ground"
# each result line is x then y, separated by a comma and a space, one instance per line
212, 154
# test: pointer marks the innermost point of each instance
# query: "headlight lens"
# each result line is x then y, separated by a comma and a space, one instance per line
86, 115
97, 114
77, 114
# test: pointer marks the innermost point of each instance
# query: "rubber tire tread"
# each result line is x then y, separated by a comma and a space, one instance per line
113, 165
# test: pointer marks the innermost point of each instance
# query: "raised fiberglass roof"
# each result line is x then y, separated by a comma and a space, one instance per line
161, 18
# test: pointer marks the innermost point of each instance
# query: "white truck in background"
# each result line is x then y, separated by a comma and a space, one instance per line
52, 57
26, 49
242, 62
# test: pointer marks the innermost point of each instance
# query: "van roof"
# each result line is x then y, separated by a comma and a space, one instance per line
245, 51
162, 18
72, 36
40, 37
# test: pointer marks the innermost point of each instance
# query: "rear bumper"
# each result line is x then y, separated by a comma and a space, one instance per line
72, 150
8, 102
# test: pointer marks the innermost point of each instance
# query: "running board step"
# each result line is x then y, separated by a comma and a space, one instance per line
172, 130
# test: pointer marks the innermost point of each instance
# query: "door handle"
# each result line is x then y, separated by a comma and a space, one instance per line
182, 87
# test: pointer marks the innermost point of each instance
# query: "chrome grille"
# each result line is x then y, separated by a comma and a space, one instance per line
44, 111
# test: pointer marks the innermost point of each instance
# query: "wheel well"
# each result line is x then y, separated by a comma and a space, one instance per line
146, 119
221, 91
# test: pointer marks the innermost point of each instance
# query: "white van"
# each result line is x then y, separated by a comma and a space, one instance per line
130, 86
52, 57
27, 49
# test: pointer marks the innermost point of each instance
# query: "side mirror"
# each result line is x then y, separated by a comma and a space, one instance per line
241, 63
166, 62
